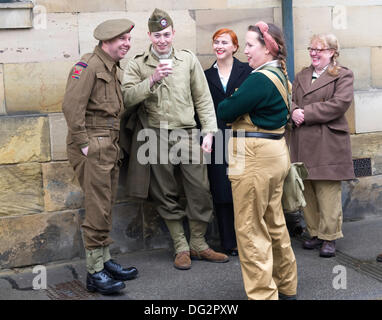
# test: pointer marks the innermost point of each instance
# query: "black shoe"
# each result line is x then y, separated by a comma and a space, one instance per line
120, 273
294, 223
103, 283
286, 297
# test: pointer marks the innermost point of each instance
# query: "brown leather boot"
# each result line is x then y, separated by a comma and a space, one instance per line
209, 255
182, 260
328, 249
312, 243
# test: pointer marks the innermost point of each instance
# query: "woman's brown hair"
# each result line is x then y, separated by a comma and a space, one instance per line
278, 36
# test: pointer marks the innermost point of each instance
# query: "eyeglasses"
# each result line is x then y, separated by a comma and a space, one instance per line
317, 50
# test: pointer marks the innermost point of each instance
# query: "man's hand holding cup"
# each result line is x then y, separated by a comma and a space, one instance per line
163, 70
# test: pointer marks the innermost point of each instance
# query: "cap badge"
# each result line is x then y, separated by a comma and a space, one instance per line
164, 23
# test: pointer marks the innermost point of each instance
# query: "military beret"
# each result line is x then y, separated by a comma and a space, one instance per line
110, 29
159, 20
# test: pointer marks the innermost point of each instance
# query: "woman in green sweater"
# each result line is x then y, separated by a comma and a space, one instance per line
258, 164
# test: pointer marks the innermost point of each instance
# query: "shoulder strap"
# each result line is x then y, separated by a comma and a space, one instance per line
280, 86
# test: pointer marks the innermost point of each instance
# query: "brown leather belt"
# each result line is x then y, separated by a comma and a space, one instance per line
102, 122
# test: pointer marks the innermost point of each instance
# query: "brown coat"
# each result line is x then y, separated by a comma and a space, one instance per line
322, 142
93, 97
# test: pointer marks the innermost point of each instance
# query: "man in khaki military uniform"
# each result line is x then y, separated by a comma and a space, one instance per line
92, 107
169, 96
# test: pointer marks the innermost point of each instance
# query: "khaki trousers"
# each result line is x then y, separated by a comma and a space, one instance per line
323, 211
164, 185
97, 174
267, 260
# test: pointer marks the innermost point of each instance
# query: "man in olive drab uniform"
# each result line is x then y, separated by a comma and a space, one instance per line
169, 97
92, 107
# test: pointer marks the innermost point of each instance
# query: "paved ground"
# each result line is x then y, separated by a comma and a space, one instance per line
352, 274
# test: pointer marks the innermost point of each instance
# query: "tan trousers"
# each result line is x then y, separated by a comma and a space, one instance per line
323, 211
97, 174
267, 260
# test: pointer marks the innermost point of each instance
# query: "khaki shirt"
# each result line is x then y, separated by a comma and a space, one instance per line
93, 96
174, 99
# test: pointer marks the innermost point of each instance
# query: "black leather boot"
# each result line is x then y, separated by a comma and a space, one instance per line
103, 283
120, 273
286, 297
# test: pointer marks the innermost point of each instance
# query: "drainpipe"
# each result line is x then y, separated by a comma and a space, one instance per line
287, 15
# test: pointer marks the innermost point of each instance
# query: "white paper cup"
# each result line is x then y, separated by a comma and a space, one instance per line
166, 61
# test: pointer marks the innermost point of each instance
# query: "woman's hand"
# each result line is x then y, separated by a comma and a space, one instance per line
207, 143
298, 117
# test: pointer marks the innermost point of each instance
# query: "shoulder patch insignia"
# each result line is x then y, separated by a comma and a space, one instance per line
82, 64
78, 68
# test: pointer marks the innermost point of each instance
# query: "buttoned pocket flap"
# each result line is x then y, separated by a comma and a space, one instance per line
104, 76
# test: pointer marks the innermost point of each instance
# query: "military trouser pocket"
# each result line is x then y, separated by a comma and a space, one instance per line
103, 150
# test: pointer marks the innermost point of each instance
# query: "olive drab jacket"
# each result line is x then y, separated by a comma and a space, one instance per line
93, 97
174, 99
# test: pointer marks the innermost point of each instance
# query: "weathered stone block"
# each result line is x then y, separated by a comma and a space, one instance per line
309, 21
2, 95
127, 230
21, 190
206, 60
82, 6
368, 145
155, 232
376, 70
43, 86
57, 40
250, 4
363, 198
360, 66
39, 238
24, 139
185, 37
209, 21
368, 111
301, 59
58, 132
356, 34
61, 188
349, 29
168, 5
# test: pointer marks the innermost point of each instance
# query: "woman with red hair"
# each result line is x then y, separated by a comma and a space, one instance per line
225, 75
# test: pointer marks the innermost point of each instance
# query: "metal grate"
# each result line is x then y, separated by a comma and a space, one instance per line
72, 290
362, 167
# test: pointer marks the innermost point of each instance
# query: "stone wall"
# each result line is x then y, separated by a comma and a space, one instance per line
40, 212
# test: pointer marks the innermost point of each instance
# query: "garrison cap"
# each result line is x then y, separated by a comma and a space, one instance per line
159, 20
110, 29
